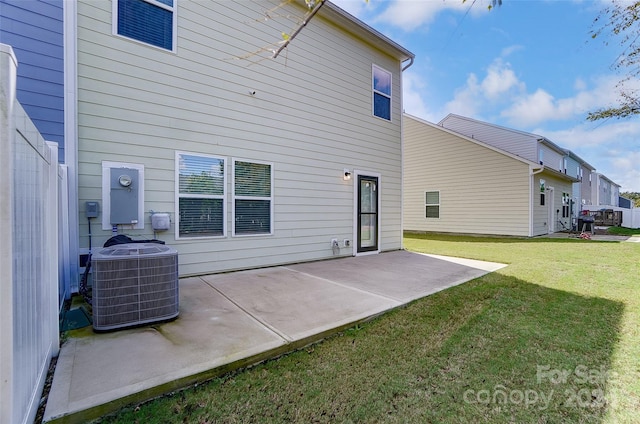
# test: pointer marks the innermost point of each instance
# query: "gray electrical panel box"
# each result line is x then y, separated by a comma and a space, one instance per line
92, 209
124, 185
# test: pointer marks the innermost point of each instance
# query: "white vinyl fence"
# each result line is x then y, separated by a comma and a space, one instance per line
630, 217
29, 298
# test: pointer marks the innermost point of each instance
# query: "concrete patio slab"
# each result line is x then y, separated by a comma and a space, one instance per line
97, 369
296, 305
229, 321
403, 276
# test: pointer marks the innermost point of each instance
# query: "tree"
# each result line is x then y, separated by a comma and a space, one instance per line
621, 20
313, 6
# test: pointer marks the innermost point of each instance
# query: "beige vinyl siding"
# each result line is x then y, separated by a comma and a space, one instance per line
482, 191
541, 214
521, 144
311, 117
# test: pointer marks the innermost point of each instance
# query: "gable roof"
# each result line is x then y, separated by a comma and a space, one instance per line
604, 177
489, 127
475, 141
532, 165
582, 162
360, 30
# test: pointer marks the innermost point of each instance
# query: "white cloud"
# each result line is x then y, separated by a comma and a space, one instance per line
531, 109
413, 87
540, 106
499, 83
500, 79
626, 171
411, 14
507, 51
580, 85
612, 148
354, 7
590, 134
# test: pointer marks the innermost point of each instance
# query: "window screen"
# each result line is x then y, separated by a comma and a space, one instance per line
432, 204
201, 193
252, 198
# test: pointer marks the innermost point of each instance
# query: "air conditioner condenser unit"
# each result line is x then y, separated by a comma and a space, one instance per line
134, 284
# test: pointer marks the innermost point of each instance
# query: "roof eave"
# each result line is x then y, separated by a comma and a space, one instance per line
363, 31
561, 175
582, 162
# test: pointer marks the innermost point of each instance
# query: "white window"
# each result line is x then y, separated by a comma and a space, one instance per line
201, 189
541, 156
566, 203
432, 204
252, 197
381, 93
149, 21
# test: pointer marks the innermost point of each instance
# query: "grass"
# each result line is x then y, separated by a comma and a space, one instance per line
552, 338
622, 231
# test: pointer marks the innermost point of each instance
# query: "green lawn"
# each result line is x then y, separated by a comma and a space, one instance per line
622, 231
552, 338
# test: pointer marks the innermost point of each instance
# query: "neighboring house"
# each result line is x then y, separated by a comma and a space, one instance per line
34, 29
257, 161
623, 202
604, 192
32, 35
39, 33
580, 169
507, 192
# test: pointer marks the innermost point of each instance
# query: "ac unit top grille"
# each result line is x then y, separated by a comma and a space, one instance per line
133, 284
132, 249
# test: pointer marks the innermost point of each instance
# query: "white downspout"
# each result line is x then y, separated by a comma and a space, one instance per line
532, 171
402, 160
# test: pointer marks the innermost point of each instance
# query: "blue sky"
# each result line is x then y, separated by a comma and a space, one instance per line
530, 65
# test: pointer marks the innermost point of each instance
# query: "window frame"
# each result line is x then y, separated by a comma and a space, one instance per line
174, 27
426, 204
234, 197
375, 67
540, 156
222, 196
566, 203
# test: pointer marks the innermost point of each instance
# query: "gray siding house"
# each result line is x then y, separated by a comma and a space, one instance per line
488, 179
247, 161
604, 192
581, 170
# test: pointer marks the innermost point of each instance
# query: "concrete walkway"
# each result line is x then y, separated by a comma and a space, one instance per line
230, 321
596, 237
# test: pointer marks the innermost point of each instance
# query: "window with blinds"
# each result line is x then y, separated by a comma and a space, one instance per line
252, 198
150, 21
201, 188
432, 204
